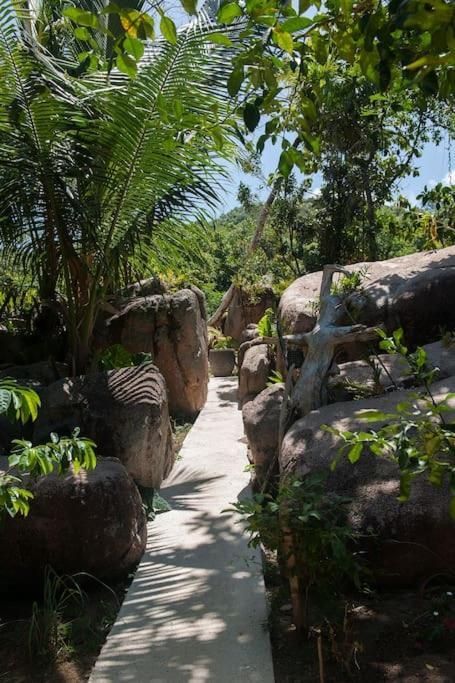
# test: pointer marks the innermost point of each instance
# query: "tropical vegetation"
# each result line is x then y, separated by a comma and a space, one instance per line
119, 122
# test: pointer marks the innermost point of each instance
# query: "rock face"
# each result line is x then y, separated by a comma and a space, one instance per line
414, 291
410, 541
173, 329
243, 312
392, 369
254, 372
261, 418
90, 522
249, 333
43, 373
124, 411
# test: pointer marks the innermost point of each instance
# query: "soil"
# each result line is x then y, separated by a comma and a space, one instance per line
68, 653
406, 637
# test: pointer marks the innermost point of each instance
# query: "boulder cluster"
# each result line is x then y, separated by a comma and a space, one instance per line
94, 521
403, 542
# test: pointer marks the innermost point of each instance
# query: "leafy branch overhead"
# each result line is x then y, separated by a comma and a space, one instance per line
396, 46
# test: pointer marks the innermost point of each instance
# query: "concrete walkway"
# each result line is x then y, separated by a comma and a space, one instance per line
196, 609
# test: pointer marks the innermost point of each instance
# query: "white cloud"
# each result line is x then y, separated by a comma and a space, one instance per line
449, 179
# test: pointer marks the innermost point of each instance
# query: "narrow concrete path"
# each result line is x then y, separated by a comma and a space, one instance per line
196, 609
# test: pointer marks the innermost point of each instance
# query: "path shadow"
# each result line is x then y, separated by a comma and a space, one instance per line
188, 593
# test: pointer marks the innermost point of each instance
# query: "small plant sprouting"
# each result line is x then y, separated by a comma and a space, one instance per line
347, 284
152, 503
275, 378
116, 356
217, 340
304, 520
48, 630
267, 326
60, 621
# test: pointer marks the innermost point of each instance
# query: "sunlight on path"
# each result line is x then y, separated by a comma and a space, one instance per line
196, 609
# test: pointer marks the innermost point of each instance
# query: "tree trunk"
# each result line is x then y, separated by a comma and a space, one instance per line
309, 393
264, 214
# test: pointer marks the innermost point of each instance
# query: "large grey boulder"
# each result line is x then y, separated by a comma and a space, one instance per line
405, 542
124, 411
254, 372
414, 291
90, 522
172, 327
391, 370
261, 418
245, 310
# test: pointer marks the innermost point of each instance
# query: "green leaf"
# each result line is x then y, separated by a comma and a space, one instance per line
374, 415
235, 81
398, 335
355, 452
304, 5
81, 33
134, 47
217, 135
219, 39
346, 7
283, 40
81, 17
295, 24
127, 65
251, 116
285, 163
309, 109
168, 30
228, 12
405, 487
312, 142
189, 6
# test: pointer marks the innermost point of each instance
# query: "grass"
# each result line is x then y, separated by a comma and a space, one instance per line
57, 638
180, 430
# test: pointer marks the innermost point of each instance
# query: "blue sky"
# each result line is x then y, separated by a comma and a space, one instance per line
436, 164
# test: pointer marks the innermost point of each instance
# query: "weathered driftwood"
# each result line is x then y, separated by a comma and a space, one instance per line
215, 318
310, 390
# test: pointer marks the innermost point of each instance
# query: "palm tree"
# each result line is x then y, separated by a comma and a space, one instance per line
98, 177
